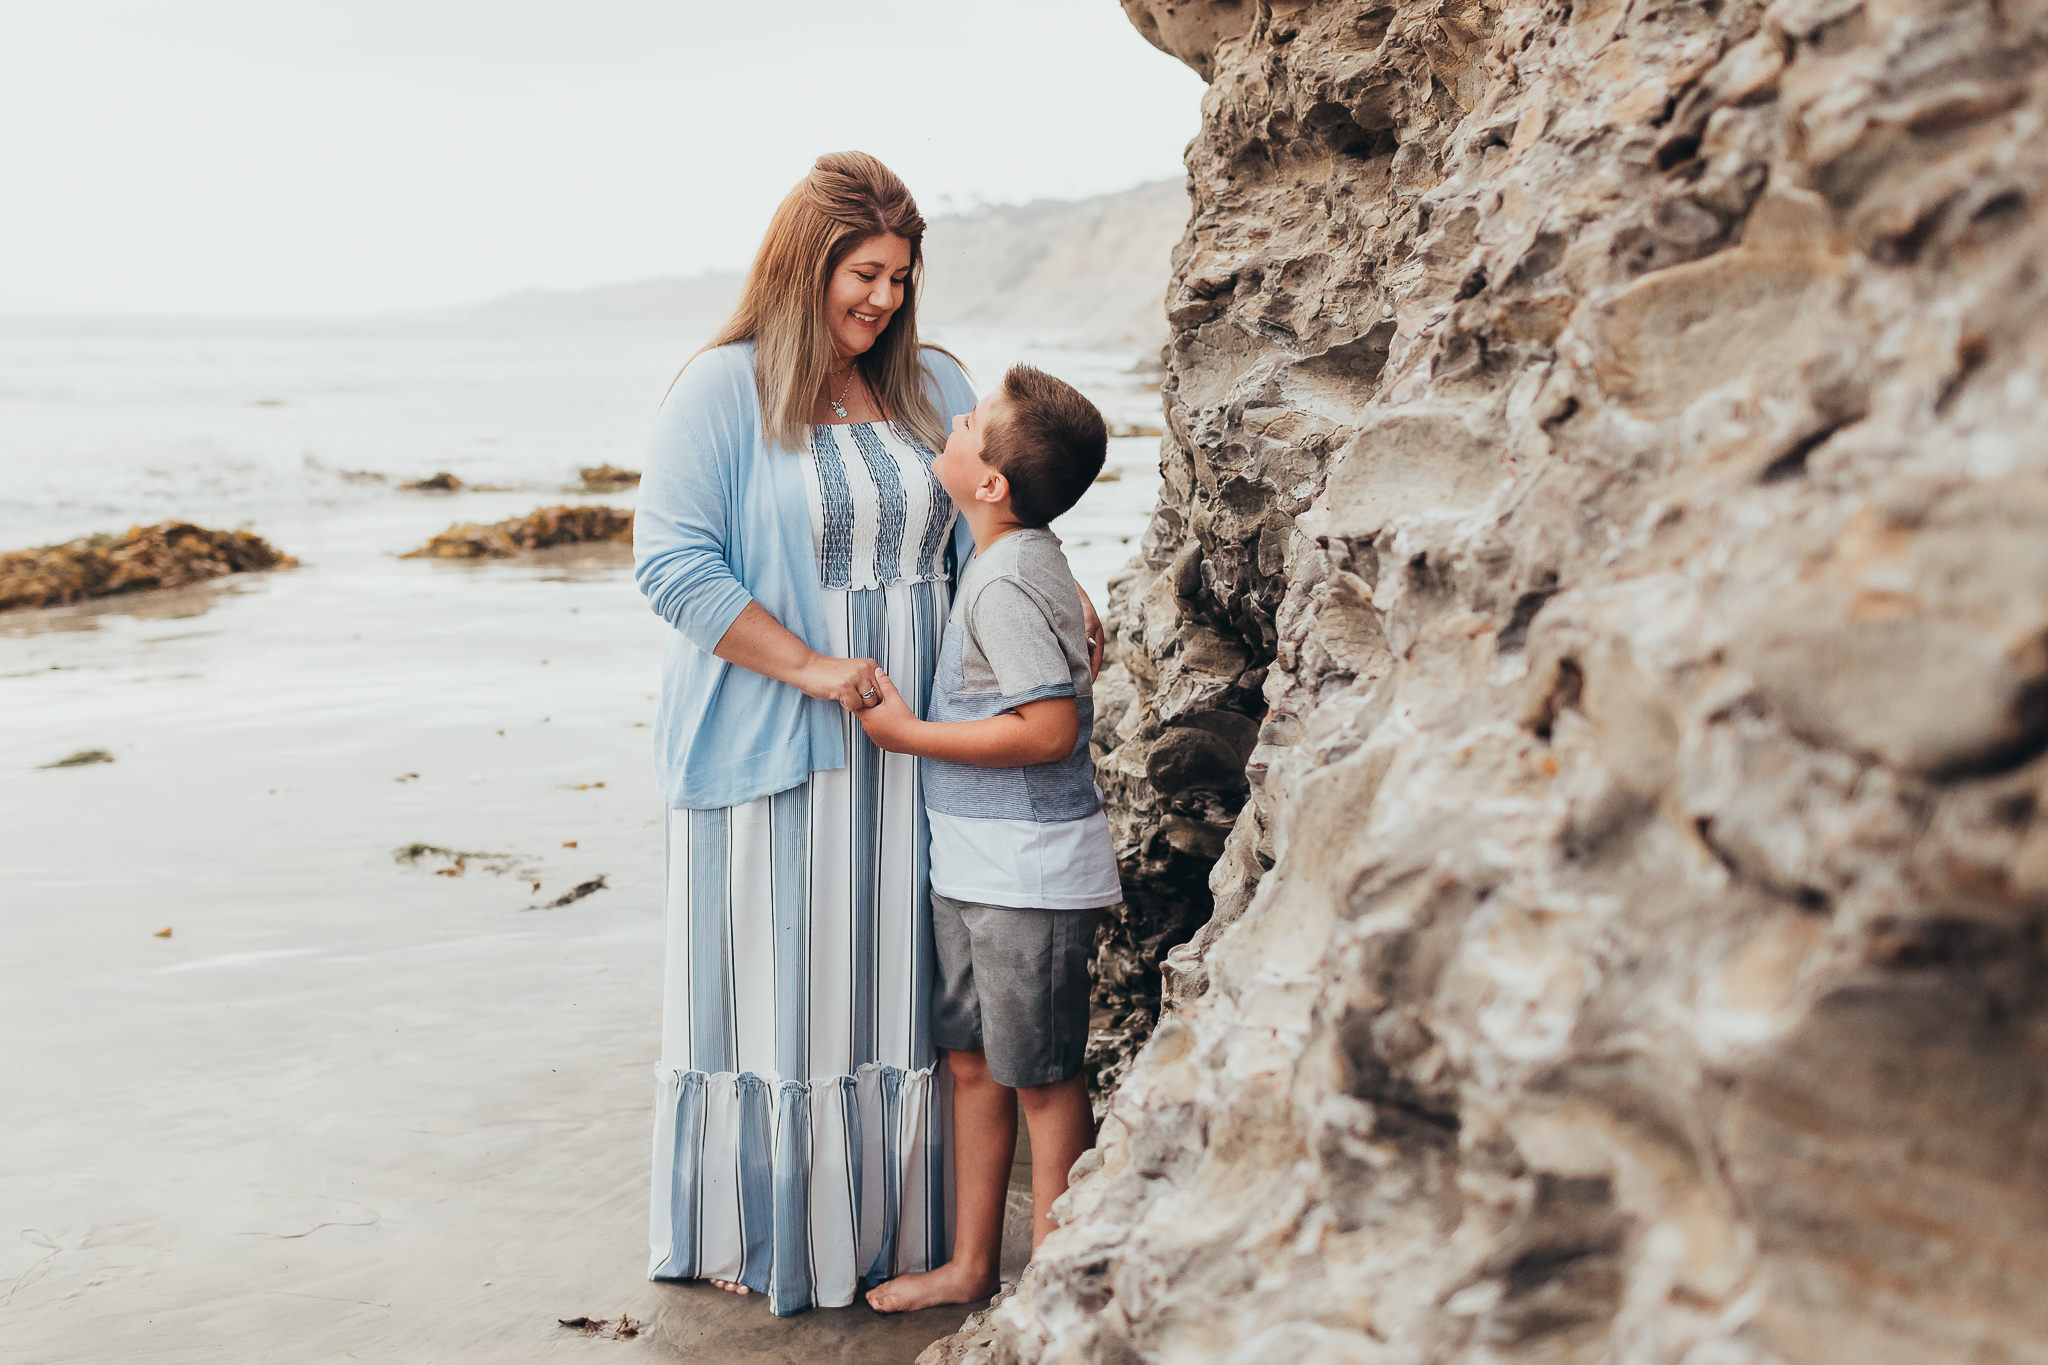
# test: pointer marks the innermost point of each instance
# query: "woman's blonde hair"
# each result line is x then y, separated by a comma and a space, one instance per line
848, 198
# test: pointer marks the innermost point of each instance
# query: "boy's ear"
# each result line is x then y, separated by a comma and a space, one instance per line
994, 487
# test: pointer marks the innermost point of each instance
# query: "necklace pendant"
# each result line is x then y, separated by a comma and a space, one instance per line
838, 408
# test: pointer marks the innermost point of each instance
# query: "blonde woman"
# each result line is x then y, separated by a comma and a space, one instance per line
792, 533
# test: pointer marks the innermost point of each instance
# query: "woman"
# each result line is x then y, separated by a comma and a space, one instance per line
791, 531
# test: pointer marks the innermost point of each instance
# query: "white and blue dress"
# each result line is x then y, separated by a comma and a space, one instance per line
800, 1139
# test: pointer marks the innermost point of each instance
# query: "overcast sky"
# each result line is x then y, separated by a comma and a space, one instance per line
243, 157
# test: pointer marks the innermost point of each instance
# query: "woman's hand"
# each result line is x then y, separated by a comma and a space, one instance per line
889, 722
1093, 623
850, 682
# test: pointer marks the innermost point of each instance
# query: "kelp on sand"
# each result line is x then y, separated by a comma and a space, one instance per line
538, 531
168, 555
608, 478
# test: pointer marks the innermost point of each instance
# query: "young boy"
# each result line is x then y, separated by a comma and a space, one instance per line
1021, 860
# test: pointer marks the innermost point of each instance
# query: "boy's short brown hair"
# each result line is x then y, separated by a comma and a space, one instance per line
1047, 440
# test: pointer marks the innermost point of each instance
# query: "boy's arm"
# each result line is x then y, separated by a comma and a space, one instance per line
1037, 732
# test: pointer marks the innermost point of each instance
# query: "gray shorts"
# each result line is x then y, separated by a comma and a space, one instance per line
1014, 983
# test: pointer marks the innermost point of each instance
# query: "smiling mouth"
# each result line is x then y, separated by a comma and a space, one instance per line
869, 319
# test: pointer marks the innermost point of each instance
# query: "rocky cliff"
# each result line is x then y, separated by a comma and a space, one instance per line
1594, 645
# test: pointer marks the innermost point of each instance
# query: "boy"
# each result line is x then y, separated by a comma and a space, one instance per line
1021, 860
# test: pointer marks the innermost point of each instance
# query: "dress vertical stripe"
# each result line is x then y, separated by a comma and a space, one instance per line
928, 620
793, 1271
756, 1184
856, 1167
866, 638
710, 951
789, 877
880, 1109
834, 511
929, 617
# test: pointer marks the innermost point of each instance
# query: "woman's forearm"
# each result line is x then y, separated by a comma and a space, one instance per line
757, 641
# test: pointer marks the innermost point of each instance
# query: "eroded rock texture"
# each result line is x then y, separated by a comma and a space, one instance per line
1597, 621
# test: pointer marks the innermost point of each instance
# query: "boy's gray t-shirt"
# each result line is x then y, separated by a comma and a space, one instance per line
1033, 836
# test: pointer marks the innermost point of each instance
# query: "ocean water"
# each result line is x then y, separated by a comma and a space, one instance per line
105, 424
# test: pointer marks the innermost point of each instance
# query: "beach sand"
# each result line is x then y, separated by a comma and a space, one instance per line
351, 1109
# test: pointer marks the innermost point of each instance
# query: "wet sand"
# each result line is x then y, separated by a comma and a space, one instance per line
351, 1109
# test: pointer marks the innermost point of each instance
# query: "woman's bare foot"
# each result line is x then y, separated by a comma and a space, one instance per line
950, 1283
730, 1286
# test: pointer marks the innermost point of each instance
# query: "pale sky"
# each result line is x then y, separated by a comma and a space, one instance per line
232, 157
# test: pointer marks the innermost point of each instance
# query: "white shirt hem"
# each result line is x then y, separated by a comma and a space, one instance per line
1006, 897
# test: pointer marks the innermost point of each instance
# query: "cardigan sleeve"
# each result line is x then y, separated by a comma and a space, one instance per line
683, 527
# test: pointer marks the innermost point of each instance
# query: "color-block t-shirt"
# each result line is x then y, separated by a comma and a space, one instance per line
1030, 837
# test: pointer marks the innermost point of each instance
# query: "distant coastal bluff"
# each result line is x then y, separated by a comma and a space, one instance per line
1576, 738
1088, 269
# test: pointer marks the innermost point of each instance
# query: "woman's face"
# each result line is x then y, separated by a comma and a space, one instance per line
865, 292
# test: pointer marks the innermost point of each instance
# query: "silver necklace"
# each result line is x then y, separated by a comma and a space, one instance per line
839, 403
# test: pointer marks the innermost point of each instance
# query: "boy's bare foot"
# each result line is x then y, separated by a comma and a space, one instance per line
730, 1286
950, 1283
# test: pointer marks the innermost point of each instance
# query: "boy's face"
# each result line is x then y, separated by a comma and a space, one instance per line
959, 468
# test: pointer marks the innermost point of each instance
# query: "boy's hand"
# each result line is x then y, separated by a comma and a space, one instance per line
890, 721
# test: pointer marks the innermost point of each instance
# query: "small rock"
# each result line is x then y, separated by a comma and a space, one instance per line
1185, 759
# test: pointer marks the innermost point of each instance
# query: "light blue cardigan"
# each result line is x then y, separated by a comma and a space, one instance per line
723, 520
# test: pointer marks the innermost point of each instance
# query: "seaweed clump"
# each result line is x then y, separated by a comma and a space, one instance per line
549, 526
456, 861
606, 478
169, 555
82, 758
574, 894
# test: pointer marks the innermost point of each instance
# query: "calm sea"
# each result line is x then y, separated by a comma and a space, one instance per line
104, 424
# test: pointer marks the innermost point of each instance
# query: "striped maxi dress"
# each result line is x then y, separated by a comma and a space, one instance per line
800, 1135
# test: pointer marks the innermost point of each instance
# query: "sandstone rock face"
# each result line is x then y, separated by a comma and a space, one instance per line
1594, 643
